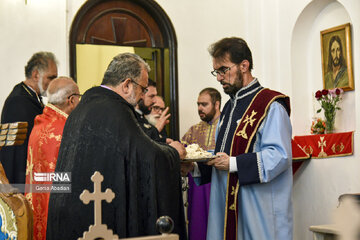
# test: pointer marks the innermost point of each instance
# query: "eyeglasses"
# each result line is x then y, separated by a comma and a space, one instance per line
157, 108
75, 94
143, 89
221, 71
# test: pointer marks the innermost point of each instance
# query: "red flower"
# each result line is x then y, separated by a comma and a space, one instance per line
337, 91
324, 92
318, 94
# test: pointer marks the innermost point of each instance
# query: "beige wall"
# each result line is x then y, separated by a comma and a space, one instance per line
285, 41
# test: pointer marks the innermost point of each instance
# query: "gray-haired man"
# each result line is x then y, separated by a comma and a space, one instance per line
22, 105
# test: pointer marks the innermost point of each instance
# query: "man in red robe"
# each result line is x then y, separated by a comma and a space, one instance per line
44, 143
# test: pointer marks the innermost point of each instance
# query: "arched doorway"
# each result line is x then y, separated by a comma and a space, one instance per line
140, 26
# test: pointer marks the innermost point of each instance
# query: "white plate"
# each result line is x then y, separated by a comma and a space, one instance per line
202, 159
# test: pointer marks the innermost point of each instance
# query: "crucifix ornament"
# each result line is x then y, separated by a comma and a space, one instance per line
322, 144
98, 230
248, 120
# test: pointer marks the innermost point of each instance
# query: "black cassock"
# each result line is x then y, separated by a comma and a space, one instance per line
149, 129
102, 134
22, 105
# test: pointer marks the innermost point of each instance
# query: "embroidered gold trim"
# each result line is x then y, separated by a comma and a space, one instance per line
247, 120
8, 220
322, 144
37, 96
30, 165
330, 156
262, 117
27, 90
236, 195
337, 147
247, 147
232, 191
57, 110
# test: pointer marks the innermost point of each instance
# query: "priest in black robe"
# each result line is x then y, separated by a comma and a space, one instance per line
143, 108
102, 134
22, 105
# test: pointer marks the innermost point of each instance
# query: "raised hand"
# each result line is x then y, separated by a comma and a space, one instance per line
163, 120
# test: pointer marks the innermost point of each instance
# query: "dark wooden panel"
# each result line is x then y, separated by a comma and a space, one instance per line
119, 23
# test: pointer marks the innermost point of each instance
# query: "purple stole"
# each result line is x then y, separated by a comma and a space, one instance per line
245, 132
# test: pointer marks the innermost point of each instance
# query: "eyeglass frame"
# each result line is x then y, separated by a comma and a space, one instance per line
143, 89
157, 108
221, 72
75, 94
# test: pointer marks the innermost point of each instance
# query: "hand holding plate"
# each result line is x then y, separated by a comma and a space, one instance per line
221, 162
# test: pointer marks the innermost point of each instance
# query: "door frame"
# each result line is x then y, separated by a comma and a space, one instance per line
170, 42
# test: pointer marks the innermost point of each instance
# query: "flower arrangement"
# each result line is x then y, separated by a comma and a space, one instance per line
318, 126
329, 100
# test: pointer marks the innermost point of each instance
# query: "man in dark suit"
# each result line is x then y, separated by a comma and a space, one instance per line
23, 104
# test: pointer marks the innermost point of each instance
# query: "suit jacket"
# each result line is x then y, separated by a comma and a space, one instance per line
23, 105
149, 129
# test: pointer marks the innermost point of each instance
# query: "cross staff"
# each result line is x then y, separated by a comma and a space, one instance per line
97, 230
97, 196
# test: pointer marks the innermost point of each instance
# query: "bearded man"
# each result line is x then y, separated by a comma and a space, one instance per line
144, 108
202, 133
336, 75
102, 134
158, 117
22, 105
251, 177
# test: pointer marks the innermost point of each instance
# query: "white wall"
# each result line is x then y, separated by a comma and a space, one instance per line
285, 41
196, 30
26, 29
320, 182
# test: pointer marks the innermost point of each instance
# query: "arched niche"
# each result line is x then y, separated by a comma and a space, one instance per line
306, 66
139, 25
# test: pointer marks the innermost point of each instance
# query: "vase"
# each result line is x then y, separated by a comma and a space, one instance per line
329, 121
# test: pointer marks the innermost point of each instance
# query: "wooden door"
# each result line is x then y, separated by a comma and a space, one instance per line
141, 24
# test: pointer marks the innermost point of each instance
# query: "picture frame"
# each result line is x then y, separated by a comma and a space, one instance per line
336, 56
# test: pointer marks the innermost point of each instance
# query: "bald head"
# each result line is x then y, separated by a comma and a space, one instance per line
63, 93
